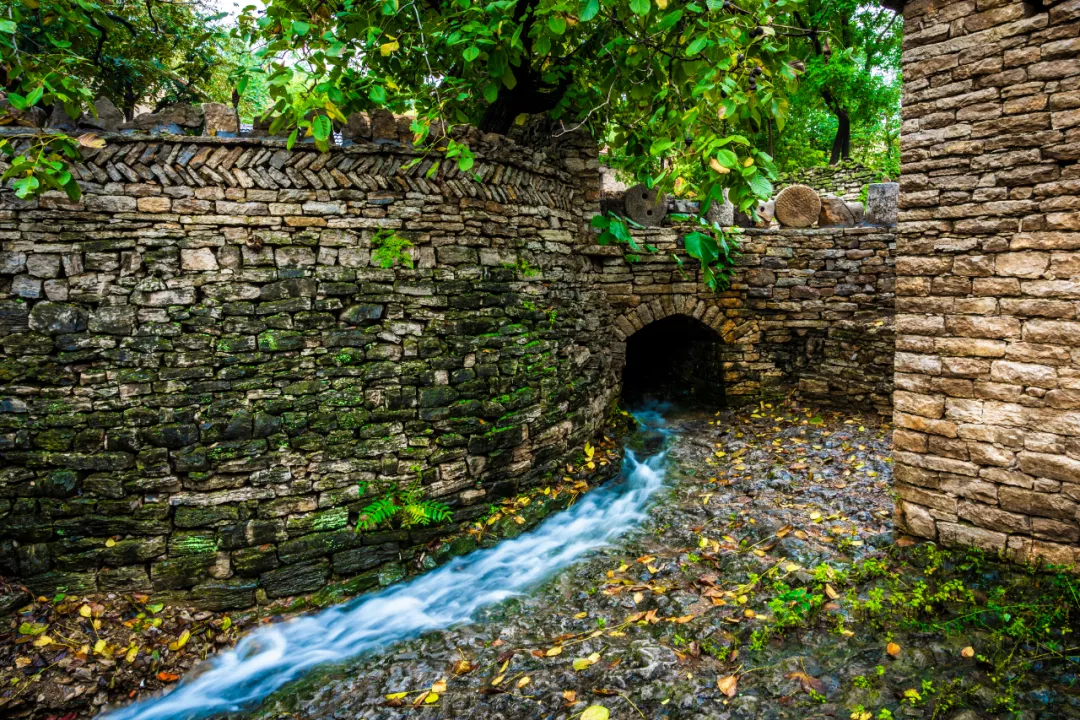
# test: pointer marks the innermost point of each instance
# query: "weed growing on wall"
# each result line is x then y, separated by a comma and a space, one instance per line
389, 249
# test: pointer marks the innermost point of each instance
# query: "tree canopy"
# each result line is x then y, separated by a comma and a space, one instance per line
681, 93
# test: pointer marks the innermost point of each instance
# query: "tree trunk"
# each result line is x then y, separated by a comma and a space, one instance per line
841, 147
524, 98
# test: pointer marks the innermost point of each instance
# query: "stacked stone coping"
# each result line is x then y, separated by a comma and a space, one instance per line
202, 363
987, 390
808, 310
845, 180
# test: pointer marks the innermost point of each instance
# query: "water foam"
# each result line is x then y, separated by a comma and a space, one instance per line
269, 657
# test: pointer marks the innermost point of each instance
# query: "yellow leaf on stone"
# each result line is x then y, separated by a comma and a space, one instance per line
99, 647
595, 712
523, 682
396, 696
110, 543
831, 592
44, 640
586, 662
893, 649
968, 652
85, 611
132, 653
553, 651
180, 641
431, 698
581, 615
439, 686
498, 680
728, 685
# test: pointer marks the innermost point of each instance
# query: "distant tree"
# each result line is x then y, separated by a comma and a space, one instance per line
852, 55
68, 52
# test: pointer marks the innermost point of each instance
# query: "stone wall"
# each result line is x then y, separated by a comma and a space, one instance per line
202, 363
845, 180
207, 373
988, 277
809, 310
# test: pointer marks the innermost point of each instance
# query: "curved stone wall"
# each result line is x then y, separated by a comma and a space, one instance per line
203, 365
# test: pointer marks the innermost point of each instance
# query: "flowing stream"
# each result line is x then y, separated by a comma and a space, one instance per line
268, 658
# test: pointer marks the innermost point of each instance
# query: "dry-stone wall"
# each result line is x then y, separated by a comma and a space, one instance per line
807, 309
203, 363
845, 180
988, 277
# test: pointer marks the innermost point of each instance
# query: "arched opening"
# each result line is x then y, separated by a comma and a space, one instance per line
678, 359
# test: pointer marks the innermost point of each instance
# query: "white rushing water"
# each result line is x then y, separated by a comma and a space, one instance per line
269, 657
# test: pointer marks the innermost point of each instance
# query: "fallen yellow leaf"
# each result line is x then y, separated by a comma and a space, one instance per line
728, 685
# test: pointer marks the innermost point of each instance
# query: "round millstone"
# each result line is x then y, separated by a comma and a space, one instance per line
798, 206
645, 206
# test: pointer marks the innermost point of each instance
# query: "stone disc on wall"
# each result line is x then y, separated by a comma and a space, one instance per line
798, 206
645, 206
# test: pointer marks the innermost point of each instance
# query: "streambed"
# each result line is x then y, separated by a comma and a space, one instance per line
747, 591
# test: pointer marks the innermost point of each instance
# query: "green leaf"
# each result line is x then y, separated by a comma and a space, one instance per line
25, 187
701, 246
599, 222
292, 139
471, 53
491, 92
17, 101
697, 45
589, 10
727, 158
7, 26
557, 24
300, 27
32, 628
321, 127
660, 146
640, 7
760, 185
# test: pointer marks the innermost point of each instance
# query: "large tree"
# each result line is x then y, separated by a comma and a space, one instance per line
674, 88
852, 55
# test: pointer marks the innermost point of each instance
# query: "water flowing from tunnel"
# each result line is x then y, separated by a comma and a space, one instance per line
268, 658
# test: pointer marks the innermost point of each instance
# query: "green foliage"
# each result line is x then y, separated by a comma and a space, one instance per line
852, 71
388, 248
67, 52
407, 506
674, 89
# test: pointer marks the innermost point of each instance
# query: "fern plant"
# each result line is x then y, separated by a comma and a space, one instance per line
407, 505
